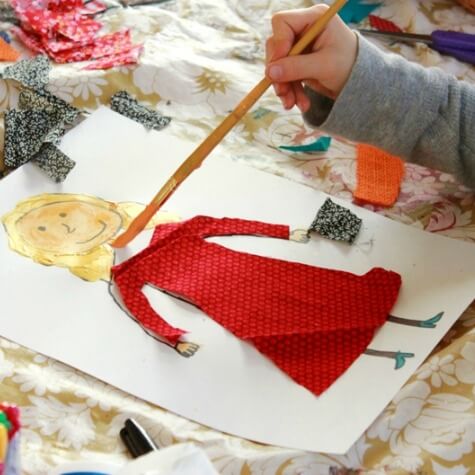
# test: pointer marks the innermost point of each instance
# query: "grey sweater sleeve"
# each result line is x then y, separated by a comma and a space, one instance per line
420, 114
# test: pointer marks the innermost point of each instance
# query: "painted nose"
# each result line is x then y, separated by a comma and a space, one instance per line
68, 228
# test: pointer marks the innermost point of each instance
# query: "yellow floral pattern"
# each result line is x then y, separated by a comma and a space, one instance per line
200, 59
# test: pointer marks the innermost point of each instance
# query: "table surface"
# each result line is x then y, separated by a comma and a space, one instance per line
200, 58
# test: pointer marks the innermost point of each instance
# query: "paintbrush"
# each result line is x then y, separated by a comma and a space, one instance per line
203, 150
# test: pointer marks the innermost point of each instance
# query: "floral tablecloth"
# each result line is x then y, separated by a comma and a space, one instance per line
200, 58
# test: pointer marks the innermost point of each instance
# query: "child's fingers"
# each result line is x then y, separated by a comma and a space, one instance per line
269, 49
288, 100
282, 88
287, 25
298, 68
302, 101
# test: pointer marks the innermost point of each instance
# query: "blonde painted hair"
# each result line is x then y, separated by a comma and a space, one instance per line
90, 264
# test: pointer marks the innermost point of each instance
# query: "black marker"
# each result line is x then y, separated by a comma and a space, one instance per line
137, 441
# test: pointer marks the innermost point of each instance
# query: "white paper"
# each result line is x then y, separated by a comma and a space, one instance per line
179, 459
227, 384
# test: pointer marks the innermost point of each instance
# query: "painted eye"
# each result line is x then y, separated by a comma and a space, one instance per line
41, 228
62, 215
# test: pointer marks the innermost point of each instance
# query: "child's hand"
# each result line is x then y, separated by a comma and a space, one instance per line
299, 235
325, 67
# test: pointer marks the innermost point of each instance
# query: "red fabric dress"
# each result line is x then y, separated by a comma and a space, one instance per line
311, 322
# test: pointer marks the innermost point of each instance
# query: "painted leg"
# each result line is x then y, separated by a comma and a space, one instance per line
429, 323
398, 356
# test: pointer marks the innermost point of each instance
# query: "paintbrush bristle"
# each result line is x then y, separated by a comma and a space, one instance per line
135, 227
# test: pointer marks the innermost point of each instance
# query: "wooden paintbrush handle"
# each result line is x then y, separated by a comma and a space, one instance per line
204, 149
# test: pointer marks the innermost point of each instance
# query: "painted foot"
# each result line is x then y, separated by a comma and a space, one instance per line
432, 322
429, 323
400, 359
186, 349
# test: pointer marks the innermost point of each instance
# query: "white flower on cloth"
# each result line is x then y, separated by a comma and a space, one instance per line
165, 428
83, 84
6, 367
320, 464
454, 470
36, 378
417, 420
8, 95
72, 423
202, 90
232, 455
197, 86
438, 371
61, 88
33, 460
97, 393
465, 366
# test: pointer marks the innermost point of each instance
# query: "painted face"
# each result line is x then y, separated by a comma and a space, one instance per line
69, 227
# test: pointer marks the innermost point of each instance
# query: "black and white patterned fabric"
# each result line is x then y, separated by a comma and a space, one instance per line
25, 133
32, 73
34, 129
53, 162
43, 100
123, 103
336, 222
8, 15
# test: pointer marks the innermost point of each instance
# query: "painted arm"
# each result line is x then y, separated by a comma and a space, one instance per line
206, 226
130, 284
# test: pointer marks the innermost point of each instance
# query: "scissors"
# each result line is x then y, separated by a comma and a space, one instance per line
453, 43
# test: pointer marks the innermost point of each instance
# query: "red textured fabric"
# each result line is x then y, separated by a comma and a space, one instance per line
311, 322
381, 24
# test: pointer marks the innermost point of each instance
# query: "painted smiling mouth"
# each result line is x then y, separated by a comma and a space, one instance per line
104, 226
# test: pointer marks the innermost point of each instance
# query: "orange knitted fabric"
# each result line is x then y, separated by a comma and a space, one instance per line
378, 176
7, 53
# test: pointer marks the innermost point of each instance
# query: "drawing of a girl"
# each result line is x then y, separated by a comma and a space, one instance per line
73, 231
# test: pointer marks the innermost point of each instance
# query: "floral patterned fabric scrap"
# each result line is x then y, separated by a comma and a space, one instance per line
33, 130
44, 100
25, 133
53, 162
336, 222
67, 33
32, 73
125, 58
123, 103
7, 14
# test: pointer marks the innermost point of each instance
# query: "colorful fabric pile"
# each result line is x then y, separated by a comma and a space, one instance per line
67, 32
9, 426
